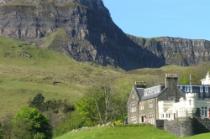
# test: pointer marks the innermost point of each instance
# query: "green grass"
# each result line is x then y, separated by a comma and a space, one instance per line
26, 70
127, 132
201, 136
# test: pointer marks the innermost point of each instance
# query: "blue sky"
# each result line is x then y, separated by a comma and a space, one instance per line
152, 18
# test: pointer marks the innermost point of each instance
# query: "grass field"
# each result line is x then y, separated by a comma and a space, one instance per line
26, 70
129, 132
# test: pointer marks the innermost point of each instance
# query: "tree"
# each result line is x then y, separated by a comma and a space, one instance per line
99, 106
29, 123
37, 101
57, 111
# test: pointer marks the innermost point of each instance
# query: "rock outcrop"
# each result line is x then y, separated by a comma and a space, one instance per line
177, 51
90, 32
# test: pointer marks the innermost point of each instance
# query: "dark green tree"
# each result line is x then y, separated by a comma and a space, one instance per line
37, 102
29, 123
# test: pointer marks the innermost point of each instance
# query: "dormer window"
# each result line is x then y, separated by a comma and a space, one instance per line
185, 88
191, 89
188, 89
206, 89
201, 89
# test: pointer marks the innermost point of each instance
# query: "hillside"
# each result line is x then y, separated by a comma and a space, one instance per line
26, 70
129, 132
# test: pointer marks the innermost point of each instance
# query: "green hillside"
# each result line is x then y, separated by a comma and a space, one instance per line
26, 70
128, 132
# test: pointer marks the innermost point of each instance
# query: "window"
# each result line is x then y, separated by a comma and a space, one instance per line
133, 109
202, 110
150, 105
201, 89
191, 88
205, 111
142, 107
206, 89
188, 89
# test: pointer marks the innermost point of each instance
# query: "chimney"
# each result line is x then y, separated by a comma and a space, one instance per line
171, 81
140, 84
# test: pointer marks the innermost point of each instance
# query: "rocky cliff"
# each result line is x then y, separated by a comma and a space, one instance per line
84, 30
177, 50
89, 33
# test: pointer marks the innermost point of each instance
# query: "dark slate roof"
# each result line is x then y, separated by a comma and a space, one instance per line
149, 93
203, 91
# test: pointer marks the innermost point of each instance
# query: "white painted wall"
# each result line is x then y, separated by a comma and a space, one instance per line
169, 110
206, 80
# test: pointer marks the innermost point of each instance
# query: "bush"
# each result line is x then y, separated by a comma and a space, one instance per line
101, 106
29, 123
73, 121
57, 111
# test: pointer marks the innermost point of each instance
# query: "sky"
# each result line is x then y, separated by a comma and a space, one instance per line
154, 18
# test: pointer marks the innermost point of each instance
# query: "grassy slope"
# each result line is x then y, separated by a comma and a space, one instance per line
26, 71
130, 132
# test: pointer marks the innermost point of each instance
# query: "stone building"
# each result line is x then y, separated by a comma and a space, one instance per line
164, 104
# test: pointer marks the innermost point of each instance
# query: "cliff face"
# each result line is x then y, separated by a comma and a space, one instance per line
84, 30
90, 32
177, 50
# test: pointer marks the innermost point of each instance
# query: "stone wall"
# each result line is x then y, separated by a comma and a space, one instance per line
185, 127
133, 108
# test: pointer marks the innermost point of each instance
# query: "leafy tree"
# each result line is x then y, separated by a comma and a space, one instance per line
57, 111
29, 123
100, 106
37, 102
51, 105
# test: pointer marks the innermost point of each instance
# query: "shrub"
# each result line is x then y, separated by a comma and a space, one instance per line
101, 106
30, 123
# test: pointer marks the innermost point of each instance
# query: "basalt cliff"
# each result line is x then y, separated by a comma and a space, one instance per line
176, 51
84, 30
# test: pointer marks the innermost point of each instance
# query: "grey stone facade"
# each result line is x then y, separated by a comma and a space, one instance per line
185, 126
143, 106
143, 102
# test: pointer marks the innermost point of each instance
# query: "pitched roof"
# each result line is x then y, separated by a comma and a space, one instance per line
149, 93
